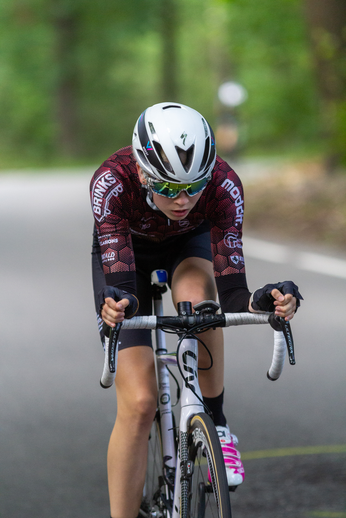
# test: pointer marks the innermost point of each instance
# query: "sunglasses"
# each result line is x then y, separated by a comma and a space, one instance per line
172, 190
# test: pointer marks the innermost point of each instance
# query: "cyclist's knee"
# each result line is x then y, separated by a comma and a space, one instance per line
195, 295
141, 408
145, 405
193, 280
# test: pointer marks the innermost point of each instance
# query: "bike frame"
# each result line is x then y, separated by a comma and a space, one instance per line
191, 404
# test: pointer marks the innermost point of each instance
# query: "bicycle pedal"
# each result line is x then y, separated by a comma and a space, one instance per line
232, 488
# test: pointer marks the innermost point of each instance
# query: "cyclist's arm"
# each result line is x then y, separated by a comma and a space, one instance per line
105, 276
234, 294
113, 262
225, 209
226, 215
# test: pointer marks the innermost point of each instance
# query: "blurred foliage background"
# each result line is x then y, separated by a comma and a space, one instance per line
76, 74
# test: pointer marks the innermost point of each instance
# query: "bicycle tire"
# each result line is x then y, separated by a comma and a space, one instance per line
208, 500
155, 502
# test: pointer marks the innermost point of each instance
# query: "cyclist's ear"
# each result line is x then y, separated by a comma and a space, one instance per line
141, 175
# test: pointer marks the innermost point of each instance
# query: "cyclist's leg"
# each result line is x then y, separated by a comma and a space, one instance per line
127, 453
136, 397
193, 280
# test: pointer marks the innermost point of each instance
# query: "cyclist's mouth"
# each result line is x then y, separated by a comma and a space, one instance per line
180, 213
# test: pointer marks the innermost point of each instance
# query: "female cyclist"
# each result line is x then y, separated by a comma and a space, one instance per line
168, 202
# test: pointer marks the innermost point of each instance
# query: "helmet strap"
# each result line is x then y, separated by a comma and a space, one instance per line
149, 197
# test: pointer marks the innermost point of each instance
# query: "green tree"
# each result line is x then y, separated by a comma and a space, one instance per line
74, 75
268, 47
25, 80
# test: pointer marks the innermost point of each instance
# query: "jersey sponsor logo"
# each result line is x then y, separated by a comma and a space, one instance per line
145, 226
108, 257
184, 223
231, 240
236, 259
100, 200
238, 200
108, 241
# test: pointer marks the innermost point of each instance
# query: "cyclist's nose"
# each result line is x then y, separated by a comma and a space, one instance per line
182, 198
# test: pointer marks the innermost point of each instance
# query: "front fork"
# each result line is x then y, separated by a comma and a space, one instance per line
191, 404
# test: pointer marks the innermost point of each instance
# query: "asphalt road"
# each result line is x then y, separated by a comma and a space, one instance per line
56, 420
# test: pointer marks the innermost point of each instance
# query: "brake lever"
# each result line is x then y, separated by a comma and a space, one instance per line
280, 324
112, 351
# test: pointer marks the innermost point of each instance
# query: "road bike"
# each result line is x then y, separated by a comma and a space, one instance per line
186, 475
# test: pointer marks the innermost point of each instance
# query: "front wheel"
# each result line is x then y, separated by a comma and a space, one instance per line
159, 481
209, 488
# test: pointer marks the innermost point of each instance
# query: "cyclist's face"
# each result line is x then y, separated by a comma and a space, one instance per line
174, 208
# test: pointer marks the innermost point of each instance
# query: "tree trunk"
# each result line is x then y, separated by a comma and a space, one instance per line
66, 100
168, 23
327, 27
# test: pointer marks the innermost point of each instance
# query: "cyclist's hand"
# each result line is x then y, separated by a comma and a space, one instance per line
283, 298
118, 304
285, 305
113, 312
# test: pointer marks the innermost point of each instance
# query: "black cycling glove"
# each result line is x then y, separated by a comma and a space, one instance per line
262, 300
117, 294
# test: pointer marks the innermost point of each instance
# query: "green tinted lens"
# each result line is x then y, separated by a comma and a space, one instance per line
172, 190
196, 187
165, 189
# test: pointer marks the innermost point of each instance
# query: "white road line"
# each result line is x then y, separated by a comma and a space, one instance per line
274, 253
264, 250
29, 191
322, 264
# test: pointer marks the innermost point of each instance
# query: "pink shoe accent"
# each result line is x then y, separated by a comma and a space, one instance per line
234, 466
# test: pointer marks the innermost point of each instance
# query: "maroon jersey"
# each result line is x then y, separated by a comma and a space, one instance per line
121, 210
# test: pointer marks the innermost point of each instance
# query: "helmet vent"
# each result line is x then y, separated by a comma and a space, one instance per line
205, 154
186, 157
165, 163
142, 157
211, 155
171, 106
205, 128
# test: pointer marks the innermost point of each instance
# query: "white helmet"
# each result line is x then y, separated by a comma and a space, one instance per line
172, 142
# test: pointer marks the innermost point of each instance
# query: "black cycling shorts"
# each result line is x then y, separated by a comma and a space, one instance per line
166, 255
